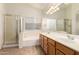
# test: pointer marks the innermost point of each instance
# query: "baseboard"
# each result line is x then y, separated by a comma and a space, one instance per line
10, 45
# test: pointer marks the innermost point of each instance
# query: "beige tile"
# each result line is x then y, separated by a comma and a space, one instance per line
36, 50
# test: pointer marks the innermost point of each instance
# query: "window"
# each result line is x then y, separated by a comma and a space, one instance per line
32, 24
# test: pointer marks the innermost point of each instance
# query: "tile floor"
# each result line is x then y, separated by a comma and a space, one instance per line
36, 50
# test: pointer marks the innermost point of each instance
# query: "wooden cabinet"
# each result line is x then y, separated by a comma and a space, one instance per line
45, 44
51, 41
52, 47
58, 52
41, 40
64, 49
76, 53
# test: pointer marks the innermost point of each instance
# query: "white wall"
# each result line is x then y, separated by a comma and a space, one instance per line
2, 9
1, 30
1, 25
23, 10
75, 9
77, 24
68, 12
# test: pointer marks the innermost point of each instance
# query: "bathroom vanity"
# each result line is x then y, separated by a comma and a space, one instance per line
53, 45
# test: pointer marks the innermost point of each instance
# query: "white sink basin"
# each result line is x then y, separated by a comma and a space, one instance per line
66, 37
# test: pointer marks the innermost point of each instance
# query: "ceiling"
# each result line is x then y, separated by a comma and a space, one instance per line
40, 6
45, 6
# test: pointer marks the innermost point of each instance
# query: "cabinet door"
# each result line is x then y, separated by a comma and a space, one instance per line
45, 44
51, 49
76, 53
51, 41
64, 49
41, 40
58, 52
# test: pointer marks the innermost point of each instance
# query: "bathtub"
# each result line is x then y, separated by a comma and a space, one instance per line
29, 38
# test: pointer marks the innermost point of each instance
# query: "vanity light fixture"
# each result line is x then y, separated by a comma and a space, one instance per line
53, 8
53, 11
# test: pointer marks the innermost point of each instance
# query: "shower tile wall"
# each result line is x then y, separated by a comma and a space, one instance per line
67, 25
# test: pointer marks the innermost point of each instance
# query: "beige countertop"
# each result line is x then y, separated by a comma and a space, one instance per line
63, 39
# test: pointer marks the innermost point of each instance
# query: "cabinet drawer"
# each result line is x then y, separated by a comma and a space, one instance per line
76, 53
45, 41
51, 41
45, 44
51, 49
59, 52
64, 49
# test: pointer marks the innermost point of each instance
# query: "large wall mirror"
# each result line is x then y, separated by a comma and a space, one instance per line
48, 24
64, 25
